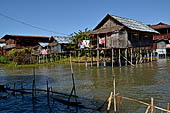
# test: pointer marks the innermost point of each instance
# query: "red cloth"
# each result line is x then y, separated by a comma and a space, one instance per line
102, 40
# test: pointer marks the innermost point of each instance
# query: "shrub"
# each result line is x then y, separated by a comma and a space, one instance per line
4, 60
20, 56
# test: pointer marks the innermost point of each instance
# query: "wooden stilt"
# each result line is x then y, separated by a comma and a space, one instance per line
104, 59
119, 58
126, 55
86, 58
151, 56
114, 92
79, 57
140, 61
152, 107
91, 58
136, 55
131, 55
147, 56
98, 60
98, 57
112, 57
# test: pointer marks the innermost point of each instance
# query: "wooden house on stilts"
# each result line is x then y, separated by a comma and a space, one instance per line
123, 40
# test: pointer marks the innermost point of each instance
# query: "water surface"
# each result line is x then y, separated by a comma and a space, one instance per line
93, 86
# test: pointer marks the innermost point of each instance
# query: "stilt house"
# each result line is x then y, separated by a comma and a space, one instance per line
22, 41
121, 32
162, 40
59, 44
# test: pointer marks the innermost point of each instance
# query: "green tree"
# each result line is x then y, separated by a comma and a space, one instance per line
77, 37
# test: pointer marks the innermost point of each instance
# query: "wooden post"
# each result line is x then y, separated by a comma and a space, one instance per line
126, 55
91, 58
98, 60
14, 88
119, 59
148, 56
147, 110
168, 107
140, 56
109, 102
86, 58
104, 58
33, 85
79, 57
114, 89
112, 57
48, 94
151, 56
131, 55
152, 107
136, 55
22, 90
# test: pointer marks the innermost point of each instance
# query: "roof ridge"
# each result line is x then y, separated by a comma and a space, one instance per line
133, 24
127, 18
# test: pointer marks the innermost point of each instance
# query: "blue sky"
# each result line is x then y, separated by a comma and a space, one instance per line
68, 16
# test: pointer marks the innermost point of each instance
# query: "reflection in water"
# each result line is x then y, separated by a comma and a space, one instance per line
94, 84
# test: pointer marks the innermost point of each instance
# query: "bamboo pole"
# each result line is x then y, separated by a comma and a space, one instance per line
48, 95
98, 60
126, 55
86, 58
91, 58
22, 89
79, 57
148, 108
104, 59
152, 107
128, 61
14, 88
114, 92
151, 56
168, 106
119, 59
112, 57
136, 55
131, 55
141, 102
140, 56
33, 84
74, 87
109, 102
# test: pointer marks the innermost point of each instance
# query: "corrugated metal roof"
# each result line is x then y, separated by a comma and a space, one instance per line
134, 25
1, 45
159, 26
43, 44
62, 39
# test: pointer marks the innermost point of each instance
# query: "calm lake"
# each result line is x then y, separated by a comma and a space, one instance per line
93, 86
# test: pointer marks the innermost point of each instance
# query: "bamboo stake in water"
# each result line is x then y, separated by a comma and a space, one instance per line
74, 87
114, 88
109, 102
152, 107
48, 94
168, 106
147, 110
